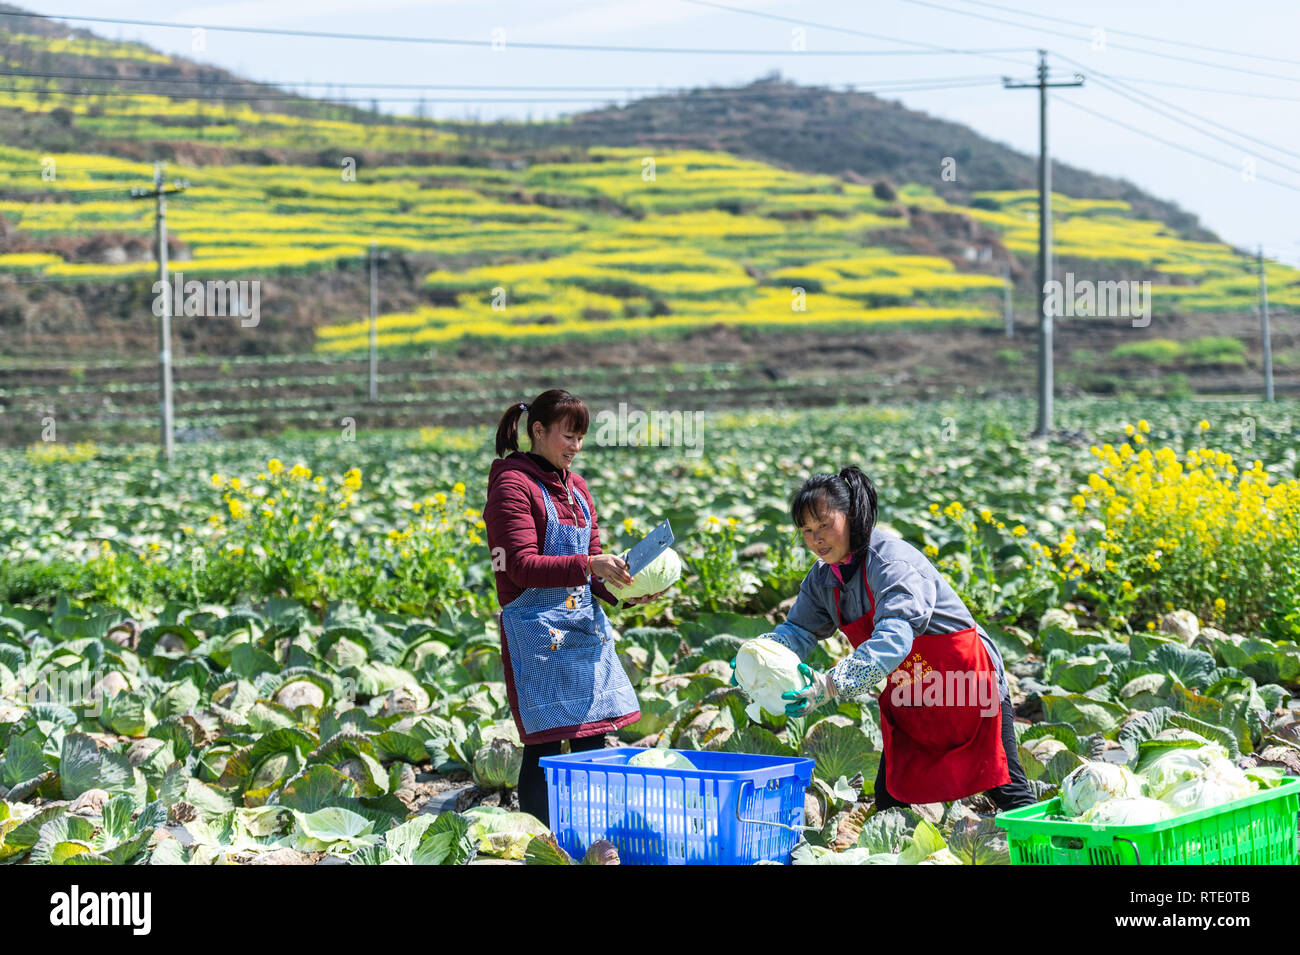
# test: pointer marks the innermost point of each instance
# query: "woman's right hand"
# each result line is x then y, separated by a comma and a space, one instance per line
612, 569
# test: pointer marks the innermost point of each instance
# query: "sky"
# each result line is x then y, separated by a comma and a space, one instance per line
1243, 140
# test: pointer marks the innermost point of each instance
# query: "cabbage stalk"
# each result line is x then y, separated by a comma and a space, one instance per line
1097, 781
764, 670
660, 574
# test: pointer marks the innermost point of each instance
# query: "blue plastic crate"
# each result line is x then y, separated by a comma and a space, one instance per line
732, 809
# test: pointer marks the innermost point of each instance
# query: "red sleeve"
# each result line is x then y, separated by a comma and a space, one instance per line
509, 515
598, 586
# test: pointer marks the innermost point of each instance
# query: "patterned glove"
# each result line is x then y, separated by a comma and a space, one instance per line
820, 690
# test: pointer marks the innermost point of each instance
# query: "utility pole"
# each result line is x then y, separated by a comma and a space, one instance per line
1268, 341
160, 193
374, 322
1007, 313
1045, 387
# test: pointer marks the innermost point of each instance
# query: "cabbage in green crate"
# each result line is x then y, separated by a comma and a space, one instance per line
1095, 782
1171, 767
1128, 811
1220, 782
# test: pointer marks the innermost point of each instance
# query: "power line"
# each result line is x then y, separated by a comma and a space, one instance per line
1174, 145
1118, 89
1141, 36
1117, 46
450, 41
1248, 94
852, 32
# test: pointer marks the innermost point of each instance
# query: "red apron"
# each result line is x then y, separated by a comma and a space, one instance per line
938, 745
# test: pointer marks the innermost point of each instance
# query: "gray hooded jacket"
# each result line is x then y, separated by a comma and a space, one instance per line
912, 598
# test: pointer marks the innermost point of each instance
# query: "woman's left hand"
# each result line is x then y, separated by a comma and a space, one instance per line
820, 690
646, 599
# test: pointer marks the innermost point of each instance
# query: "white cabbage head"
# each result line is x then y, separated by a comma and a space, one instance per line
764, 670
1220, 783
661, 759
660, 574
1128, 811
1174, 766
1096, 781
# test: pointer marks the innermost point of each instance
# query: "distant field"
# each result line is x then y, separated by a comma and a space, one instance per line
594, 249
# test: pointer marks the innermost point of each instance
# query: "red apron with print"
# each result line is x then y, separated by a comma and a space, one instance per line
938, 745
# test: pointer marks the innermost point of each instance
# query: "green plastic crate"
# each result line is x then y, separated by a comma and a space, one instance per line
1260, 829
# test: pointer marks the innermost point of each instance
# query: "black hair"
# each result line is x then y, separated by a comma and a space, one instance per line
548, 407
850, 491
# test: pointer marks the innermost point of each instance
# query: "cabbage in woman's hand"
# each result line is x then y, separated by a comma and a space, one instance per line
764, 670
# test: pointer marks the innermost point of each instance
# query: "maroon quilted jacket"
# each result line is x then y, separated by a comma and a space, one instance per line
515, 517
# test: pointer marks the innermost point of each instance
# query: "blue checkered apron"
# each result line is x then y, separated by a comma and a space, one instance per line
565, 666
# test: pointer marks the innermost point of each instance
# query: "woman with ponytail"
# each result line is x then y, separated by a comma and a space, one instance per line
563, 675
945, 713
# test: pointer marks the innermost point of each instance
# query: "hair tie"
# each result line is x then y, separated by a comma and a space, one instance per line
522, 406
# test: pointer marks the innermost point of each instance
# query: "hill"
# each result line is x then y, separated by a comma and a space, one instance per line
504, 242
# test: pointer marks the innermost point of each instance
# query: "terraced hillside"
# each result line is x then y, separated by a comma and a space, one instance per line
695, 258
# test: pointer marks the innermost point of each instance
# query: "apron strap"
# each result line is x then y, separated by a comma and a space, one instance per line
547, 502
871, 598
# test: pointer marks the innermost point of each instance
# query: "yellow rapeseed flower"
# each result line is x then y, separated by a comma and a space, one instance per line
458, 487
275, 465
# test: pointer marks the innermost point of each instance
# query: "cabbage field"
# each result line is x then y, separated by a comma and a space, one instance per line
285, 651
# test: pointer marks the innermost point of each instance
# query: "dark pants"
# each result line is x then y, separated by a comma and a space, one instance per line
1007, 796
532, 778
